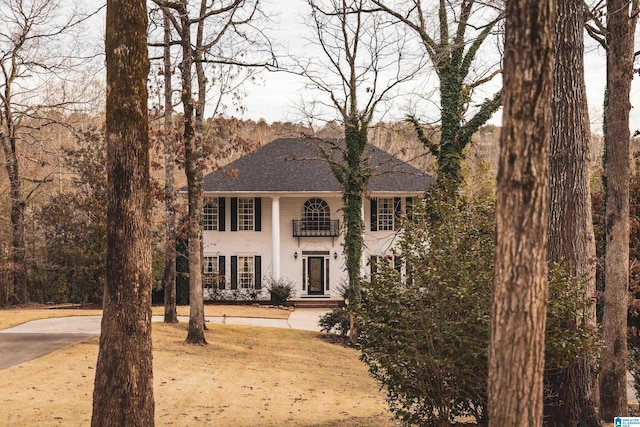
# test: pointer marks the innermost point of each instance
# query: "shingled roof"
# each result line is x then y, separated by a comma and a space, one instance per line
296, 165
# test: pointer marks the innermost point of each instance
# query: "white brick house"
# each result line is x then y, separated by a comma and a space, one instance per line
276, 213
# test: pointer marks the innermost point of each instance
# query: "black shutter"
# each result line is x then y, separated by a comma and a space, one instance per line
221, 213
374, 215
373, 264
257, 215
222, 270
397, 211
258, 271
397, 263
304, 274
326, 274
234, 272
409, 208
234, 214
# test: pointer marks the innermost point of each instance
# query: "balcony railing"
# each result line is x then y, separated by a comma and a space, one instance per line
316, 228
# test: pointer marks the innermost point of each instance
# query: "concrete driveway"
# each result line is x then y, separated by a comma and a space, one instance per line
40, 337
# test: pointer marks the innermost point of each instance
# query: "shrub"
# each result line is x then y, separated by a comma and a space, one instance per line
336, 322
281, 290
425, 336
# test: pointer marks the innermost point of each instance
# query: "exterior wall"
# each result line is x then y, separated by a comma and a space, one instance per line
259, 243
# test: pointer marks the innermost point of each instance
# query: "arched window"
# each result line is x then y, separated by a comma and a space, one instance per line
316, 215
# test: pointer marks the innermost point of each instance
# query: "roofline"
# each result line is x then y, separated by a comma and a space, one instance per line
306, 193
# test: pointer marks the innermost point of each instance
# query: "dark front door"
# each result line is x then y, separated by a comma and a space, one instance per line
315, 278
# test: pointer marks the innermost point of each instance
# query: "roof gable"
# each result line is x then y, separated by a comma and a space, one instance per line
297, 165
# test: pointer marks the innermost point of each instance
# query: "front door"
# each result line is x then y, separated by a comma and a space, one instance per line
315, 278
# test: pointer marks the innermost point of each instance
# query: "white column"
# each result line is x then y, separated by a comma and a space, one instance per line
275, 236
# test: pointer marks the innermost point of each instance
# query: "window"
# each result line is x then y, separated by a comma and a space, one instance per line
210, 214
316, 215
210, 271
246, 272
245, 214
214, 270
385, 214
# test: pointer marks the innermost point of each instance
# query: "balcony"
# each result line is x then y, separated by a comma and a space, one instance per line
316, 228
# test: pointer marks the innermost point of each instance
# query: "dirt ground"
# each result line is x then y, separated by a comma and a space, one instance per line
246, 376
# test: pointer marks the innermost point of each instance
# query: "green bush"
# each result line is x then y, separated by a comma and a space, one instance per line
337, 321
425, 334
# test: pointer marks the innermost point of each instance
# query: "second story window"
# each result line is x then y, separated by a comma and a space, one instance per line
316, 215
385, 214
245, 214
210, 214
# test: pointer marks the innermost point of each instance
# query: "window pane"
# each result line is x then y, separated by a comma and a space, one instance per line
245, 272
385, 214
316, 215
210, 271
245, 214
210, 214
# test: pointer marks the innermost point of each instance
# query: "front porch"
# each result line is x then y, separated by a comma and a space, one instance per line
319, 301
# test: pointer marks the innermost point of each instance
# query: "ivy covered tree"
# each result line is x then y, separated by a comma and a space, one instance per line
358, 69
453, 44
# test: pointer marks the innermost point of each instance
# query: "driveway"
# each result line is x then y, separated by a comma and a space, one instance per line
40, 337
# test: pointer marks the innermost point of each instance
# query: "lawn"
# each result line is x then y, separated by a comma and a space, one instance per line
246, 376
13, 317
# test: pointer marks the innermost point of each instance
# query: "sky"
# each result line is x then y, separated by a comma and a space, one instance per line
274, 99
275, 95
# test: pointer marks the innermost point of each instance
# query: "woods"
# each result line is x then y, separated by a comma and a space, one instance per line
103, 197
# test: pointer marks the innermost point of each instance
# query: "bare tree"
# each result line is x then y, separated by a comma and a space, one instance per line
516, 351
219, 34
123, 393
169, 277
571, 237
36, 49
453, 44
360, 65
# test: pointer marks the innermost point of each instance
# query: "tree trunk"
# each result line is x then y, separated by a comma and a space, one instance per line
516, 351
199, 135
195, 334
613, 384
571, 238
18, 204
123, 393
169, 279
18, 250
355, 186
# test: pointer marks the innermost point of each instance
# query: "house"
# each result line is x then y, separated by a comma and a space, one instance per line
276, 213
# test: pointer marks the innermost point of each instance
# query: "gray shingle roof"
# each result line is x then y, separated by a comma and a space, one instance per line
296, 165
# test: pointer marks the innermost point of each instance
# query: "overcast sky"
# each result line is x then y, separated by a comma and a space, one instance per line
275, 99
276, 95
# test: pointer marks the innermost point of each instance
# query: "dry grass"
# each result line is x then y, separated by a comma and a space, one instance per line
246, 376
232, 311
13, 317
